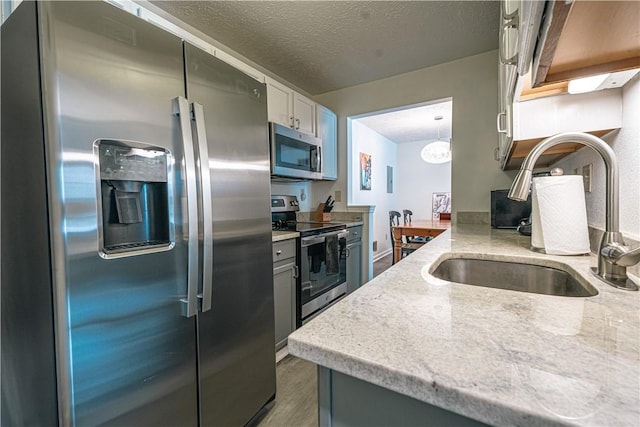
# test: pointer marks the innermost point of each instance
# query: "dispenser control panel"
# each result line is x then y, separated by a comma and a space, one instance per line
133, 206
132, 164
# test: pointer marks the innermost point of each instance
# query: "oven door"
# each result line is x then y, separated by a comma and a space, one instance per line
322, 271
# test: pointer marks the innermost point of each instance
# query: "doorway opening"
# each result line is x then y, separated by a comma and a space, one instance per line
400, 159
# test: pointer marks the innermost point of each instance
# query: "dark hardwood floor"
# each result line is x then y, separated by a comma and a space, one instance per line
382, 264
296, 385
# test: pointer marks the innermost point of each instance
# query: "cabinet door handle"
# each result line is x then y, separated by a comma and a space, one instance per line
513, 24
297, 123
499, 123
348, 253
278, 252
292, 122
295, 272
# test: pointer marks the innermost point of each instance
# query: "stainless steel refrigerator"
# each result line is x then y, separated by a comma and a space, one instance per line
136, 240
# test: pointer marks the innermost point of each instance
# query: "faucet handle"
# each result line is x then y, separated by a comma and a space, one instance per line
621, 255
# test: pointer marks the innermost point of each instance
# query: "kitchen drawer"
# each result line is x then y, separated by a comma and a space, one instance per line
284, 249
355, 234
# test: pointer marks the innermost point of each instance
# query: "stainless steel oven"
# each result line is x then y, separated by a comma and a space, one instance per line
322, 271
322, 257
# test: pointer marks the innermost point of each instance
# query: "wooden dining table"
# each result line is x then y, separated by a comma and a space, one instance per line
418, 227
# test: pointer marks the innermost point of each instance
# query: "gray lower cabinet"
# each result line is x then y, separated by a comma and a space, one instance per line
285, 273
354, 258
345, 401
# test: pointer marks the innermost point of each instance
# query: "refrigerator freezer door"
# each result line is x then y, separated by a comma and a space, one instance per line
236, 355
125, 354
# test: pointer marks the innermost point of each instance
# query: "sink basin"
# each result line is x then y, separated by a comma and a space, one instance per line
513, 276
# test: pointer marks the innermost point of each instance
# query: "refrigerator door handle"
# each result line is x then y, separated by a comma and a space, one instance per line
207, 208
190, 303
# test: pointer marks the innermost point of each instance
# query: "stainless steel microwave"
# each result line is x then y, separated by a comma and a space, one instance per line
294, 154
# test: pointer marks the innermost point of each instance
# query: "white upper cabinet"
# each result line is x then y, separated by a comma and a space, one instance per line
328, 133
304, 113
279, 102
586, 112
289, 108
548, 44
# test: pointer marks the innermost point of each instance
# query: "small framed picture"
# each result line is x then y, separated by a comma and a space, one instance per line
365, 171
441, 203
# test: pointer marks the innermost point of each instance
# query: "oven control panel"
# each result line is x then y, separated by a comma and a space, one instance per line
284, 204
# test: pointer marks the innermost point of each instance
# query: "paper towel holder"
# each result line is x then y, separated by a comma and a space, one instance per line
613, 255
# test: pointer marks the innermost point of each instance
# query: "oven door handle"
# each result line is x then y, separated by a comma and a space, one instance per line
310, 241
320, 238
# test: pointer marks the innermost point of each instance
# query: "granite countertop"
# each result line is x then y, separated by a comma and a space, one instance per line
501, 357
278, 236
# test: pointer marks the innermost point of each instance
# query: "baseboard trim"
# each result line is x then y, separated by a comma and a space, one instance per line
282, 353
381, 255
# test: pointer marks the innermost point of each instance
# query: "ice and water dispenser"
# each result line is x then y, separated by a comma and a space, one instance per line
134, 197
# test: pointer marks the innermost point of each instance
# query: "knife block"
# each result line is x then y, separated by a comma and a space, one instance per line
321, 216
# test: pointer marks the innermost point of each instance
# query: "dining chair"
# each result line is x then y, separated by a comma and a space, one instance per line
406, 247
406, 216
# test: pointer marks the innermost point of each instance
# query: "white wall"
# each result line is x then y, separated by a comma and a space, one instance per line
383, 153
472, 83
626, 145
417, 180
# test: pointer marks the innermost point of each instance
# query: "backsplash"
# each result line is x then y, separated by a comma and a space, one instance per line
335, 216
473, 218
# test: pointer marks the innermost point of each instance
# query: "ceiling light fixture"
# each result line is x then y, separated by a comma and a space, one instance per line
438, 151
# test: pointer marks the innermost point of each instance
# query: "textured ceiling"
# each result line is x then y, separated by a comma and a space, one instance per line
413, 124
321, 46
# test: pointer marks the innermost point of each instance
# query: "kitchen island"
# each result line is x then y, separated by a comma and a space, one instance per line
416, 349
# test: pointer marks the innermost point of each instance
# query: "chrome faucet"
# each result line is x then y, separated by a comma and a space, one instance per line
613, 255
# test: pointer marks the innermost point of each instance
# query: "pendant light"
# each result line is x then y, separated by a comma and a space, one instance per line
437, 151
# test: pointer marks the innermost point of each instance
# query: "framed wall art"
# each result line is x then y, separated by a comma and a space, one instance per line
365, 171
440, 203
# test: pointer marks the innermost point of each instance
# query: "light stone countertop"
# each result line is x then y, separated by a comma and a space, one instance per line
278, 236
501, 357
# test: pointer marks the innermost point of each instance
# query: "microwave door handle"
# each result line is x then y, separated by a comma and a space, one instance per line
319, 158
315, 158
190, 303
207, 207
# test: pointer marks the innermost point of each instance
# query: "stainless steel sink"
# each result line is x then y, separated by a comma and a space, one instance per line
513, 276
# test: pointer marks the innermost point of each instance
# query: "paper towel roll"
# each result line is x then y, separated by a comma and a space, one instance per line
559, 215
